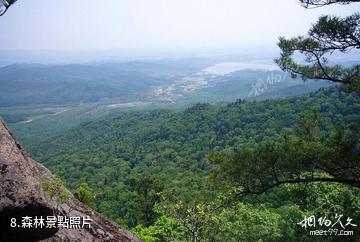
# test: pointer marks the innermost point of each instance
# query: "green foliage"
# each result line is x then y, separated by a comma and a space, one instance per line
213, 221
295, 158
55, 189
147, 191
193, 218
85, 194
164, 229
244, 222
150, 170
330, 34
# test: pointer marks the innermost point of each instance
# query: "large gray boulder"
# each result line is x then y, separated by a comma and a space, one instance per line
21, 195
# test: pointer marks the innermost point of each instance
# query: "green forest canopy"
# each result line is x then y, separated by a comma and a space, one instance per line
148, 168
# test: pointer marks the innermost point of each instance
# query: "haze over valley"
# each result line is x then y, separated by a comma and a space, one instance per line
45, 90
181, 120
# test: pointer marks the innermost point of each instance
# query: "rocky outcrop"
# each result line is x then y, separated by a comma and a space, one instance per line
22, 195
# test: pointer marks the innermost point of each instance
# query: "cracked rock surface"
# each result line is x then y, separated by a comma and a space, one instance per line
21, 195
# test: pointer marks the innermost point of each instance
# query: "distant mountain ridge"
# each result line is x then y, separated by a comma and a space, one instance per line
159, 81
70, 84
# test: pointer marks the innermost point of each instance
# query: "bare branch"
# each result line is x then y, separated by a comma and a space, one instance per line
321, 3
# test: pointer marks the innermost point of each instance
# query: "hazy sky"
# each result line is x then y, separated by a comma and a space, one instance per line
113, 24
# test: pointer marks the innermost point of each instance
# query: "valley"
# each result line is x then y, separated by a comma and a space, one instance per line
180, 121
51, 99
166, 83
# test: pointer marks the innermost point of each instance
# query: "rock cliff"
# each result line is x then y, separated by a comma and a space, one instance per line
22, 195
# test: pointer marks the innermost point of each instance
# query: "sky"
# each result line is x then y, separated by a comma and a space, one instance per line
151, 24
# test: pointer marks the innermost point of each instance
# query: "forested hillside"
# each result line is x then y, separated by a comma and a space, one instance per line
180, 121
157, 171
38, 101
